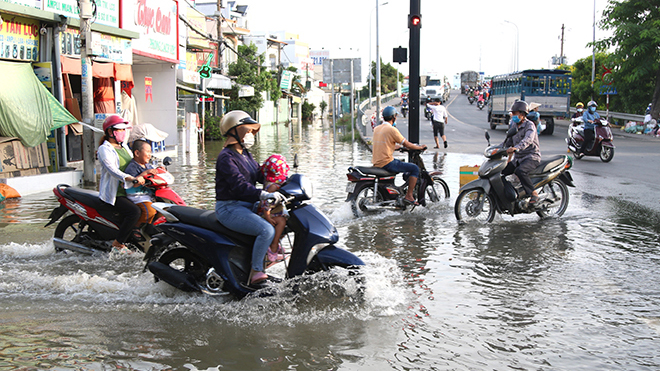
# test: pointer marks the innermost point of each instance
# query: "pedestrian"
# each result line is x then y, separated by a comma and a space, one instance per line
440, 119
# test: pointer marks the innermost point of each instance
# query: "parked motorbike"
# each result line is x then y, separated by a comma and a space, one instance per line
492, 192
195, 253
404, 108
371, 189
94, 224
602, 146
428, 113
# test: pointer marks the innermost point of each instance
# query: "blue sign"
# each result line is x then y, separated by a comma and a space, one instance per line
607, 90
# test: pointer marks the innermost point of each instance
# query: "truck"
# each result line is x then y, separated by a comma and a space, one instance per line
469, 78
434, 86
549, 88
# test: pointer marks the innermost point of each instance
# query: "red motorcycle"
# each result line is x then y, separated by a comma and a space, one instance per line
602, 146
93, 223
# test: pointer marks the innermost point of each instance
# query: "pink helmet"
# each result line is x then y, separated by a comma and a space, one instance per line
116, 122
275, 169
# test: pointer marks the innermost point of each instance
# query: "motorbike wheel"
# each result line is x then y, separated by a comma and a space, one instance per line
72, 229
480, 105
183, 260
606, 154
437, 191
363, 197
474, 205
555, 189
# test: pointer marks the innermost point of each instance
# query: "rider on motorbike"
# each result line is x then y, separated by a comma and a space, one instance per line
114, 156
525, 145
236, 174
589, 117
385, 140
579, 107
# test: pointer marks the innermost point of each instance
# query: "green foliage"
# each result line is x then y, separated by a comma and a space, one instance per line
581, 90
344, 128
246, 72
388, 78
307, 110
636, 57
212, 127
323, 105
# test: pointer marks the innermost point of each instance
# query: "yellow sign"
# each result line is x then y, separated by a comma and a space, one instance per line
19, 38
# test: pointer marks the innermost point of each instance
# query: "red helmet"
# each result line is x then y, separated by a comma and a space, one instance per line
115, 121
275, 169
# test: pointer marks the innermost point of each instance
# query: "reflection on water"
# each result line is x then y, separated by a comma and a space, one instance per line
578, 292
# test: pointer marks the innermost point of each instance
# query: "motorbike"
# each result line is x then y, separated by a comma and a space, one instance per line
194, 252
371, 189
428, 113
481, 102
471, 96
481, 198
602, 145
93, 224
404, 108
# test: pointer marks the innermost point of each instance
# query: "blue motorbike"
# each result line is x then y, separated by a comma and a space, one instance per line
195, 253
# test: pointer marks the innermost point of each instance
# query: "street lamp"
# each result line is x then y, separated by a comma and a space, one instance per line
515, 66
370, 26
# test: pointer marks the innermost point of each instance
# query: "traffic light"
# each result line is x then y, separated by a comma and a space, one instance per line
414, 21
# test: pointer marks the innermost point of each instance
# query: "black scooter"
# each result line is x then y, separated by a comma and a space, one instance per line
196, 253
481, 198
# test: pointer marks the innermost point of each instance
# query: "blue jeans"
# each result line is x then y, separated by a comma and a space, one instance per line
398, 166
238, 216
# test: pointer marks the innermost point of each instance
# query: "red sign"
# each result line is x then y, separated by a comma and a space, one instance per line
322, 84
148, 89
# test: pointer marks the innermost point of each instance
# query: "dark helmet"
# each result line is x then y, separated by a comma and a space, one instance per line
519, 106
389, 113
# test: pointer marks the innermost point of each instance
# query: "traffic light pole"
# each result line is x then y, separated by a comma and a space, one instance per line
87, 89
414, 24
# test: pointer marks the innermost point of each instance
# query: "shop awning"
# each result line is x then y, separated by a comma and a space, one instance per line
27, 109
197, 91
121, 72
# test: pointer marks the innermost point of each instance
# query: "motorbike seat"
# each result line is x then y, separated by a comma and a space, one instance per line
86, 197
376, 171
548, 164
206, 219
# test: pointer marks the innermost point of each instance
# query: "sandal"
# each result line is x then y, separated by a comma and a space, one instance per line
408, 202
273, 257
534, 199
258, 277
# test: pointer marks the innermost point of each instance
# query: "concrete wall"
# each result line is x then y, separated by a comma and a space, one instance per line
162, 111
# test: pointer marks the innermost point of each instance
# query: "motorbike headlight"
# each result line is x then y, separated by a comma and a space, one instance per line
307, 187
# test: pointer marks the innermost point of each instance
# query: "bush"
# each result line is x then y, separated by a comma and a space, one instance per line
308, 111
212, 127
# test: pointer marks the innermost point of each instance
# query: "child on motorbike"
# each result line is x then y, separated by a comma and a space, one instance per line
275, 171
140, 167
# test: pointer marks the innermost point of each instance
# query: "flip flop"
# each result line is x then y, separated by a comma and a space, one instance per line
408, 202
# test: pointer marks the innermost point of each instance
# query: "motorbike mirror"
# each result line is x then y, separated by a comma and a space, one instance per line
513, 129
167, 161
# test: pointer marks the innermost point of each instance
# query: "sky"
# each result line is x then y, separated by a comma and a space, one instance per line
455, 35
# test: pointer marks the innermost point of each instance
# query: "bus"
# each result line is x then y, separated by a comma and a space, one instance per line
549, 88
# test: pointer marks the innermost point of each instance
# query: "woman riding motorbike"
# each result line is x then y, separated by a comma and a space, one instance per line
236, 174
114, 156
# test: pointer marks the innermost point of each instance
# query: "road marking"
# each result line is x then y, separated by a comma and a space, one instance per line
452, 116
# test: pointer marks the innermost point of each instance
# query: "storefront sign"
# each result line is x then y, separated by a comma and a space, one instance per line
107, 11
112, 48
19, 38
318, 56
44, 73
156, 22
29, 3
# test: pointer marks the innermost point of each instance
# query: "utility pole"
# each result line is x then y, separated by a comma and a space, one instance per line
87, 91
561, 53
414, 24
377, 70
220, 38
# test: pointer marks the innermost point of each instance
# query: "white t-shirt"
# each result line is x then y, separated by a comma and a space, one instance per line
439, 113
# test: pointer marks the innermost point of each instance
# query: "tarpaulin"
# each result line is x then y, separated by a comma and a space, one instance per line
27, 109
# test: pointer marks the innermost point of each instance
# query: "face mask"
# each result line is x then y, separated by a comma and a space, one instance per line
394, 124
533, 115
248, 140
120, 135
580, 110
516, 120
592, 109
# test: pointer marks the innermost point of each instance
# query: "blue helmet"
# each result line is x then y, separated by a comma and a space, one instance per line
389, 113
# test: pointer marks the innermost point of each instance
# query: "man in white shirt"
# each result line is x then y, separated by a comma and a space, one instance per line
440, 119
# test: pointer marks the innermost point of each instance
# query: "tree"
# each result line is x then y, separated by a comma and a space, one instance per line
247, 71
636, 56
582, 91
388, 79
323, 105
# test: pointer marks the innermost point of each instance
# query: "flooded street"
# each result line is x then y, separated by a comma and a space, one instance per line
575, 293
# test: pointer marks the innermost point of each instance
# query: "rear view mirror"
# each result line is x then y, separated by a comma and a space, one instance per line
513, 129
167, 161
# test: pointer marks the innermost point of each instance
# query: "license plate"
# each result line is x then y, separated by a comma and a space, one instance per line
350, 187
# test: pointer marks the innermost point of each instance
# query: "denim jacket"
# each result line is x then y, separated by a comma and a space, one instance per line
111, 176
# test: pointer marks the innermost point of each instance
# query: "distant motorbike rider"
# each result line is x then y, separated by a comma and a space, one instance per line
385, 139
579, 108
525, 145
589, 117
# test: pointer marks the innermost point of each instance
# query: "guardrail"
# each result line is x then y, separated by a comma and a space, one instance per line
616, 115
362, 117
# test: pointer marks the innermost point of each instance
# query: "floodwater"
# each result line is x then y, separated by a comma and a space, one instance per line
575, 293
